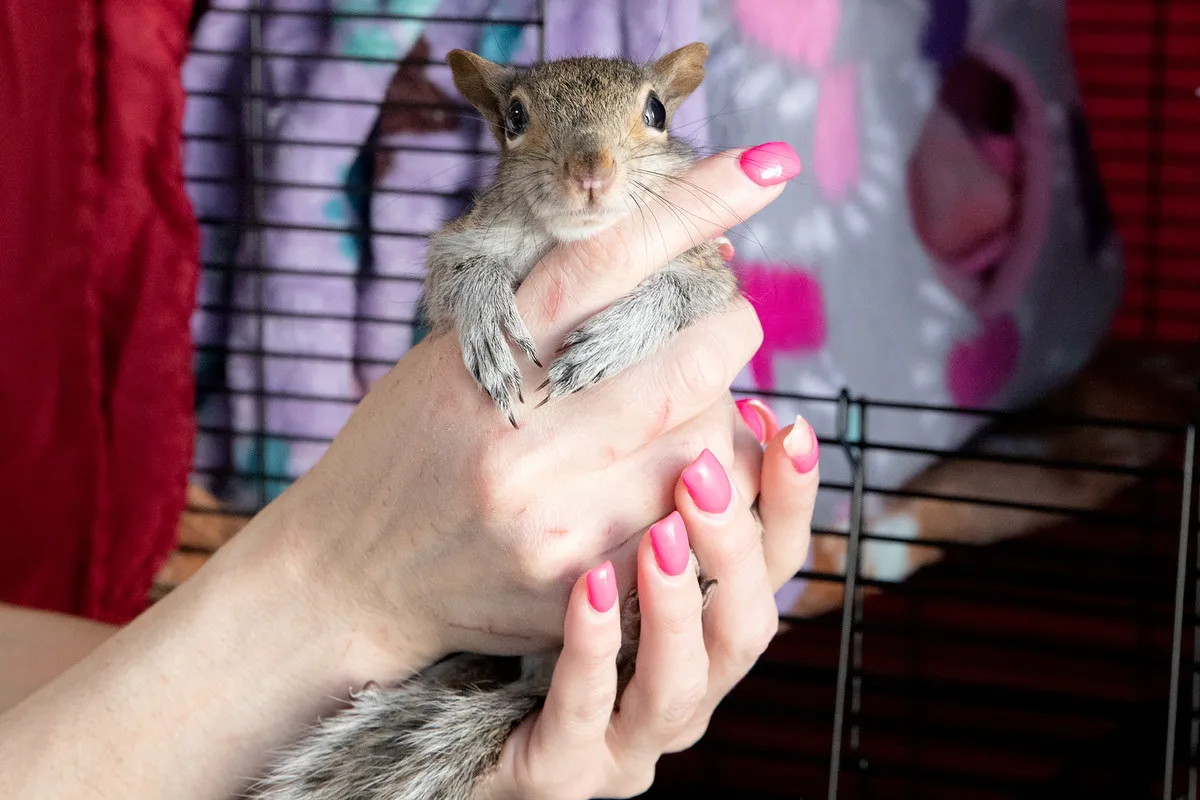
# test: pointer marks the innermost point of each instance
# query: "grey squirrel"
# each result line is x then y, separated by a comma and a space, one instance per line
583, 143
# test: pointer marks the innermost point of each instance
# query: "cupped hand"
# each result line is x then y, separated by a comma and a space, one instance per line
577, 746
432, 523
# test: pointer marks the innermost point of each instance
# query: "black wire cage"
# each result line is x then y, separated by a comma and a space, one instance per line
1062, 663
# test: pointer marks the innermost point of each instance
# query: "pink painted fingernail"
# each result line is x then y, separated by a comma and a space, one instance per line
801, 446
768, 416
759, 418
602, 587
753, 420
669, 539
725, 248
708, 484
771, 163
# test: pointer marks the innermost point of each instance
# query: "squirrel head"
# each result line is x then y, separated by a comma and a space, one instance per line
583, 141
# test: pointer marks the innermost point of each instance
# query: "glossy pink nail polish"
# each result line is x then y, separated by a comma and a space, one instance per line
669, 539
771, 163
708, 484
802, 447
768, 415
752, 419
602, 587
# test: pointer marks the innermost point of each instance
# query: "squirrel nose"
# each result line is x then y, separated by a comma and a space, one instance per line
592, 172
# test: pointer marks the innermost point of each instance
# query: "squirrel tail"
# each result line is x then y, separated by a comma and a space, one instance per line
435, 735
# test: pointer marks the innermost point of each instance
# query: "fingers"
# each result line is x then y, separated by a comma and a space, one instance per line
746, 472
546, 755
741, 617
578, 279
671, 675
675, 384
785, 503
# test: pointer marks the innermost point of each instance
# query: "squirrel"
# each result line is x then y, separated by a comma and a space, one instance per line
583, 143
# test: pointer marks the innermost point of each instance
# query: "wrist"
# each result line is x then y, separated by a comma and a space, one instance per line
321, 585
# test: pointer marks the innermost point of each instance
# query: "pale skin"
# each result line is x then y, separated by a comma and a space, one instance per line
431, 526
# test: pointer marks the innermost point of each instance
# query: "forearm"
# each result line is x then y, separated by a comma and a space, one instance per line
188, 699
38, 646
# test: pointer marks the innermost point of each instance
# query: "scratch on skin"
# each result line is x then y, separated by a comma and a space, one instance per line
662, 423
554, 298
612, 454
491, 631
557, 532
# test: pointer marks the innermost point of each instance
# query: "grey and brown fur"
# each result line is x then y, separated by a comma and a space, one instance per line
585, 118
436, 735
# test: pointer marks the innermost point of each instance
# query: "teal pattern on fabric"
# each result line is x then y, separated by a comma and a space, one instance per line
378, 39
251, 462
355, 6
501, 42
371, 43
336, 211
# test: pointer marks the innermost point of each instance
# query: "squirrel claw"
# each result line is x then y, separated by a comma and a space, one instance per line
545, 400
545, 383
513, 421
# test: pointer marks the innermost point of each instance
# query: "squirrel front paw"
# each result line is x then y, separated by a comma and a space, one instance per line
490, 361
608, 343
484, 338
600, 348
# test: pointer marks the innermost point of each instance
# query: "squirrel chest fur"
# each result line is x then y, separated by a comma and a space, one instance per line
583, 143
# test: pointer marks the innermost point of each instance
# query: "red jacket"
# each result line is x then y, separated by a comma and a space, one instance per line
98, 266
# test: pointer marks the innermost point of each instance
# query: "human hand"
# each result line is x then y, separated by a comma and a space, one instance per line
577, 746
431, 526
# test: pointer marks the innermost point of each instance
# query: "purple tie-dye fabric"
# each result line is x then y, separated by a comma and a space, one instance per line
328, 327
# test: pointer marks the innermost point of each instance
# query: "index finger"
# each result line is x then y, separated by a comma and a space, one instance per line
577, 279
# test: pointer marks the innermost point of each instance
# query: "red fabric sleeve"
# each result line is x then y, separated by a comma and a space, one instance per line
98, 267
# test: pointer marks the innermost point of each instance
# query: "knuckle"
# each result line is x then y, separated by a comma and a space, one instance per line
680, 625
695, 373
756, 636
635, 784
535, 566
543, 779
677, 709
586, 708
691, 734
491, 478
754, 328
738, 551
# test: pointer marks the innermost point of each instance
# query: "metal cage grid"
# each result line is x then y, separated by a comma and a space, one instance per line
1065, 664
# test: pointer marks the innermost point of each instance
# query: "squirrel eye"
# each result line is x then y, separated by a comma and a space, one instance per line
516, 121
654, 114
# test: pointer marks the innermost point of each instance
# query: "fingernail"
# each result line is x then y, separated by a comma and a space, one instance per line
602, 587
756, 414
768, 414
801, 446
669, 539
771, 163
725, 247
708, 484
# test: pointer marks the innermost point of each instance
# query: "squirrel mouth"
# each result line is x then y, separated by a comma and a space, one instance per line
978, 180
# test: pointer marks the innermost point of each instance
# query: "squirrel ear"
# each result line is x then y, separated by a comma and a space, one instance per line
680, 72
481, 82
